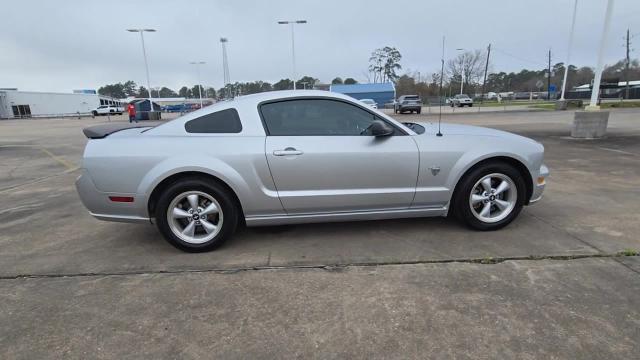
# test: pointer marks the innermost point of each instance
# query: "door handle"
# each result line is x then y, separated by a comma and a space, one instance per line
287, 151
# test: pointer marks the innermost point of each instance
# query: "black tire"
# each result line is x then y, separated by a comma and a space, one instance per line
419, 111
470, 105
228, 206
451, 104
95, 113
460, 205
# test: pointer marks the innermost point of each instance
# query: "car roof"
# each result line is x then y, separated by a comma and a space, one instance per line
247, 105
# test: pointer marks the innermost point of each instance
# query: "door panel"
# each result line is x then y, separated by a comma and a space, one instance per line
316, 174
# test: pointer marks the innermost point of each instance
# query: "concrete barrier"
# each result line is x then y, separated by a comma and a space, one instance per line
589, 124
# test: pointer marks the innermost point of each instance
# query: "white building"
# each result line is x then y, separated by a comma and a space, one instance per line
21, 104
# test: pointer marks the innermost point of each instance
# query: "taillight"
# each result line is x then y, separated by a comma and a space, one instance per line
127, 199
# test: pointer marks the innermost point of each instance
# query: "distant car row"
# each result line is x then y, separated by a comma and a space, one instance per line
413, 103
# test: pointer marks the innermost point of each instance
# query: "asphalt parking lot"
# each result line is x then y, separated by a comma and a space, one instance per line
551, 285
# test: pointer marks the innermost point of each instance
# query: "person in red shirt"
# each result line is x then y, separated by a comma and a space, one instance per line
132, 113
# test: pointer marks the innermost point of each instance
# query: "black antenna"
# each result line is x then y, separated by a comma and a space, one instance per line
440, 89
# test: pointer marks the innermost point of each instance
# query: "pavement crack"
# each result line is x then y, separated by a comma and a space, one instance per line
327, 267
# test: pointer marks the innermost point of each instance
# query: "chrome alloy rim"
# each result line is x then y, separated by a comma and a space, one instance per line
493, 198
195, 217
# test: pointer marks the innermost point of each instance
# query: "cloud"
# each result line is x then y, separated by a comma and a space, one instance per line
63, 45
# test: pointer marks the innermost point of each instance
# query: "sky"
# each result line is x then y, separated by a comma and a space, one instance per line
57, 45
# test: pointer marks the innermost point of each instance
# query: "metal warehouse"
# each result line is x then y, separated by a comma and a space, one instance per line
25, 104
381, 93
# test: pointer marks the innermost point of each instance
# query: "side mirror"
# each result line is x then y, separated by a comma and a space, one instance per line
381, 128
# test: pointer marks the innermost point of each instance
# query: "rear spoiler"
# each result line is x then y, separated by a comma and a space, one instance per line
104, 130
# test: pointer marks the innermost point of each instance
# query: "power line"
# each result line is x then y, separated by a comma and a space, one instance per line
518, 57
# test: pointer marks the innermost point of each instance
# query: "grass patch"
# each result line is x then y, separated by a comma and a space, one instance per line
621, 104
548, 106
488, 260
493, 103
629, 252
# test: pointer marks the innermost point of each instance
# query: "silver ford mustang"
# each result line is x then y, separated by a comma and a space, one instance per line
302, 156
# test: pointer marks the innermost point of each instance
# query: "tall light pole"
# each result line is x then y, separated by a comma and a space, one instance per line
566, 65
225, 62
146, 64
593, 104
293, 47
197, 64
462, 70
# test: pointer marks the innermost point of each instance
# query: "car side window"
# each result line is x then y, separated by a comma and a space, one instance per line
224, 121
315, 117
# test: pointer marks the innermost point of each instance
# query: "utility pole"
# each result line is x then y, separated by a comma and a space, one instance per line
292, 23
225, 63
568, 63
486, 68
626, 68
197, 64
461, 69
146, 64
549, 79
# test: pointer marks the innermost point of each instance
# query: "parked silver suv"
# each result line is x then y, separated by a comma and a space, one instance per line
408, 103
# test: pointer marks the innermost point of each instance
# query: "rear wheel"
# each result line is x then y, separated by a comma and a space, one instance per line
196, 215
419, 111
490, 196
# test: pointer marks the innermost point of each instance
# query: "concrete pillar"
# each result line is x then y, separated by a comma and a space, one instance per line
590, 124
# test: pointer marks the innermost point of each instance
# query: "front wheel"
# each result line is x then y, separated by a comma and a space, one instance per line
196, 215
490, 196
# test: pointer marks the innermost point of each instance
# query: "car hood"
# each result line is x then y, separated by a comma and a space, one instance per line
468, 130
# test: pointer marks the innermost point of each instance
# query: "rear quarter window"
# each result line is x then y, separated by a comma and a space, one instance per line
221, 122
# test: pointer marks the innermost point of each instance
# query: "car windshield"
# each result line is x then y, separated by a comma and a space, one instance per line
412, 97
462, 96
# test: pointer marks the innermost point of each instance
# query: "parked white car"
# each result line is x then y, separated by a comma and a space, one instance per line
370, 103
461, 100
108, 109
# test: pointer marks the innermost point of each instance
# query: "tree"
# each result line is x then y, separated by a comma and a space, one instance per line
196, 91
471, 64
142, 92
306, 82
265, 86
283, 84
165, 92
184, 92
337, 80
383, 64
113, 90
350, 81
210, 92
130, 88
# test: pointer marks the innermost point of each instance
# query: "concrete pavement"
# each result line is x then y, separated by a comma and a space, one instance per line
73, 286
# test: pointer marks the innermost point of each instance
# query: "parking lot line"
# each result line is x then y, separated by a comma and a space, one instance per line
62, 161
